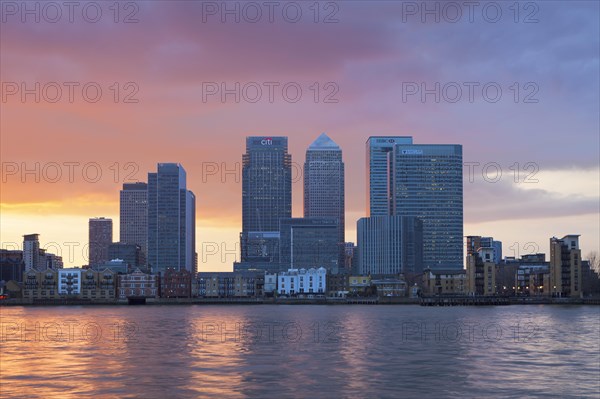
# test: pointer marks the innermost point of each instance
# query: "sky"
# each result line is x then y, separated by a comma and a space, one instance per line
94, 95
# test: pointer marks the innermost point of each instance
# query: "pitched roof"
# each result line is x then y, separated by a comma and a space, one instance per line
323, 142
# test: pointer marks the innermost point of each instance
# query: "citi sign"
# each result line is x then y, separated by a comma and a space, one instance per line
267, 141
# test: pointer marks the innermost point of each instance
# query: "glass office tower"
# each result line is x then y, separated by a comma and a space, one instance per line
427, 183
134, 215
171, 220
309, 242
390, 245
379, 190
324, 186
266, 197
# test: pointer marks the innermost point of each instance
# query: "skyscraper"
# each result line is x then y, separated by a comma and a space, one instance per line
324, 186
134, 215
390, 245
100, 237
424, 181
171, 220
309, 242
266, 197
427, 183
379, 189
131, 254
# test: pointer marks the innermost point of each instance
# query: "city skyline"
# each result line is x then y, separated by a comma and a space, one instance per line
371, 60
225, 252
405, 142
300, 198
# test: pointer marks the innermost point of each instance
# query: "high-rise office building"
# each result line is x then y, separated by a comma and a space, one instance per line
309, 242
390, 245
427, 183
134, 215
266, 198
100, 237
424, 181
324, 186
171, 220
565, 266
131, 254
379, 189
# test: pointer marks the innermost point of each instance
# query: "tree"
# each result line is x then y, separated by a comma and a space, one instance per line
594, 260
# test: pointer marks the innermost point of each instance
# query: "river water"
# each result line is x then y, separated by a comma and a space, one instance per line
306, 351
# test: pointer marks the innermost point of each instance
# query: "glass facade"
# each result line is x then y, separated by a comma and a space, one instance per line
260, 246
134, 215
378, 166
131, 254
171, 220
390, 245
309, 242
324, 185
427, 183
266, 193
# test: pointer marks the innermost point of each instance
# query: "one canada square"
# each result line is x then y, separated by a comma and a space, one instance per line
324, 185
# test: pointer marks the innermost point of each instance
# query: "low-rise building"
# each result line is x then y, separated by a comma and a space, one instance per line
98, 285
505, 278
138, 285
176, 284
390, 287
507, 273
337, 285
241, 284
302, 281
40, 284
358, 284
69, 282
444, 282
533, 280
270, 286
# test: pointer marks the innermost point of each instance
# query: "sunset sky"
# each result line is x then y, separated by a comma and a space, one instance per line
367, 61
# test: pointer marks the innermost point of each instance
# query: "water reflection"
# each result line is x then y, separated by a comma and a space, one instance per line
291, 351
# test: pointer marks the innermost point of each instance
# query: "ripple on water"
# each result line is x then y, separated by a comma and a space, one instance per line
339, 351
